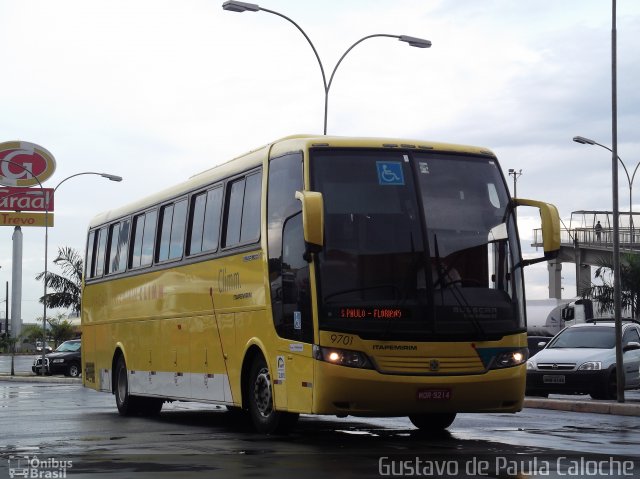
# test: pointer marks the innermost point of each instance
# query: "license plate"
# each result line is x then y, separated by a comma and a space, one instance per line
434, 394
553, 379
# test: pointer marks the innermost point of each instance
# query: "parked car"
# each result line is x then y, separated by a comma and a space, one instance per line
65, 360
47, 348
581, 359
536, 343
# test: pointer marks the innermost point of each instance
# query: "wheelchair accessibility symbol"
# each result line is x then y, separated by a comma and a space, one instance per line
390, 173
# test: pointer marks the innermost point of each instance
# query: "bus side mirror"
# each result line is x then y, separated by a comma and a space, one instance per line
312, 220
550, 229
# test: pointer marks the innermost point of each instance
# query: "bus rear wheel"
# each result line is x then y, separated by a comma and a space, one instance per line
434, 422
259, 390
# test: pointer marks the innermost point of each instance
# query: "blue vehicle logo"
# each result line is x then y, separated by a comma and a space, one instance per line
390, 173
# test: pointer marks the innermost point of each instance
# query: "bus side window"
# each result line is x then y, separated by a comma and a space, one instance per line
100, 253
205, 221
147, 238
112, 248
172, 221
166, 217
250, 230
212, 220
91, 246
123, 242
136, 246
243, 211
235, 196
143, 235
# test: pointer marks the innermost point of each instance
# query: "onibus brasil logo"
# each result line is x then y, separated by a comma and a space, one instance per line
35, 467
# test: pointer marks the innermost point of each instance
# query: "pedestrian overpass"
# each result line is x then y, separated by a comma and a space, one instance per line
586, 246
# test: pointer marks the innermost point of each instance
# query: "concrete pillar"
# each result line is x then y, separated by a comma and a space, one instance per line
555, 279
583, 278
16, 284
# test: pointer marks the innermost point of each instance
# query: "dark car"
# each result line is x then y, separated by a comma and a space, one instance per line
64, 360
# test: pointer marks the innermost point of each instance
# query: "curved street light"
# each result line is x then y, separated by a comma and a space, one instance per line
587, 141
236, 6
46, 237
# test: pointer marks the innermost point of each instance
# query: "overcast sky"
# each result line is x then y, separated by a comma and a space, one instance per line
157, 90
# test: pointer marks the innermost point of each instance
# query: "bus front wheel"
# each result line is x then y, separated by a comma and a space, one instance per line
259, 392
433, 422
124, 401
129, 405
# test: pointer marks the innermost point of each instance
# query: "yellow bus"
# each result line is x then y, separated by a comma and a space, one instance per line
316, 275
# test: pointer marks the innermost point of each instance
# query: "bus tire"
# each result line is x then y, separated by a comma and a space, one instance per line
126, 403
259, 388
434, 422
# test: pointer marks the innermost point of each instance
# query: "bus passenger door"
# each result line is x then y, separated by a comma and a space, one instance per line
296, 320
289, 284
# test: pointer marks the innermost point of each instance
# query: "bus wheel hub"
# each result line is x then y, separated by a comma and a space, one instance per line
262, 392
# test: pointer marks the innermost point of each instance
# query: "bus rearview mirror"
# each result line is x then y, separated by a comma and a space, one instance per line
550, 228
312, 219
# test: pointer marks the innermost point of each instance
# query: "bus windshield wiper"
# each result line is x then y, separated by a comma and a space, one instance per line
456, 292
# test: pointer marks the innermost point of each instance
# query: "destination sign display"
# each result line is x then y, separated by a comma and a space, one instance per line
25, 199
25, 219
373, 312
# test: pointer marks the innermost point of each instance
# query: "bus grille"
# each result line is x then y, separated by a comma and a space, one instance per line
429, 365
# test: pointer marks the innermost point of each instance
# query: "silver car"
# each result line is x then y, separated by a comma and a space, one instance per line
581, 359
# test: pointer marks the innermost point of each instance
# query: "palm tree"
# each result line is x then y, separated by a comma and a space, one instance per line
629, 282
67, 286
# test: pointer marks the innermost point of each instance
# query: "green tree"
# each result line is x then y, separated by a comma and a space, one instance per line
61, 329
32, 333
602, 292
67, 286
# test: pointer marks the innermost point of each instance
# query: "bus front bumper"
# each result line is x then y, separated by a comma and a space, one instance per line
350, 391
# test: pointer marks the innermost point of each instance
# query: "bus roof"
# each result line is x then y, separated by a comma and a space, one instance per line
279, 147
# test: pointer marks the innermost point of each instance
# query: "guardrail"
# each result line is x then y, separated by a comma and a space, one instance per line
629, 237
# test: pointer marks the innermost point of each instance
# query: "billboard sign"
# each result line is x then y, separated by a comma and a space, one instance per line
25, 199
25, 219
24, 164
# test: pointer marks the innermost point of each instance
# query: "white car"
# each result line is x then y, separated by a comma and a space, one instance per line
581, 359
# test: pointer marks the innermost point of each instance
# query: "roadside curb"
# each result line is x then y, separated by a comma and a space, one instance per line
596, 407
32, 378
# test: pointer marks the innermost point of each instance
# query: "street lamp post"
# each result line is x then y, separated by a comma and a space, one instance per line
617, 293
46, 248
236, 6
630, 178
46, 238
516, 175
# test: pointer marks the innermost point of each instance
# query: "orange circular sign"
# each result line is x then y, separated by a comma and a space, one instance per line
24, 164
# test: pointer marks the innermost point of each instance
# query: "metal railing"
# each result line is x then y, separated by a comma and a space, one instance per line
629, 237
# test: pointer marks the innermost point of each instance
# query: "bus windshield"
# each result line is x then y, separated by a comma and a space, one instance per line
418, 245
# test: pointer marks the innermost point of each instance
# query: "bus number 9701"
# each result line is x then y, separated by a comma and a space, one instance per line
342, 339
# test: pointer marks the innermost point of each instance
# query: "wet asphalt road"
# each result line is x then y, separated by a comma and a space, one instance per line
66, 423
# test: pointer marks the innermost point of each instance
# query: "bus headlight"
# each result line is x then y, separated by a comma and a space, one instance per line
342, 357
509, 359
